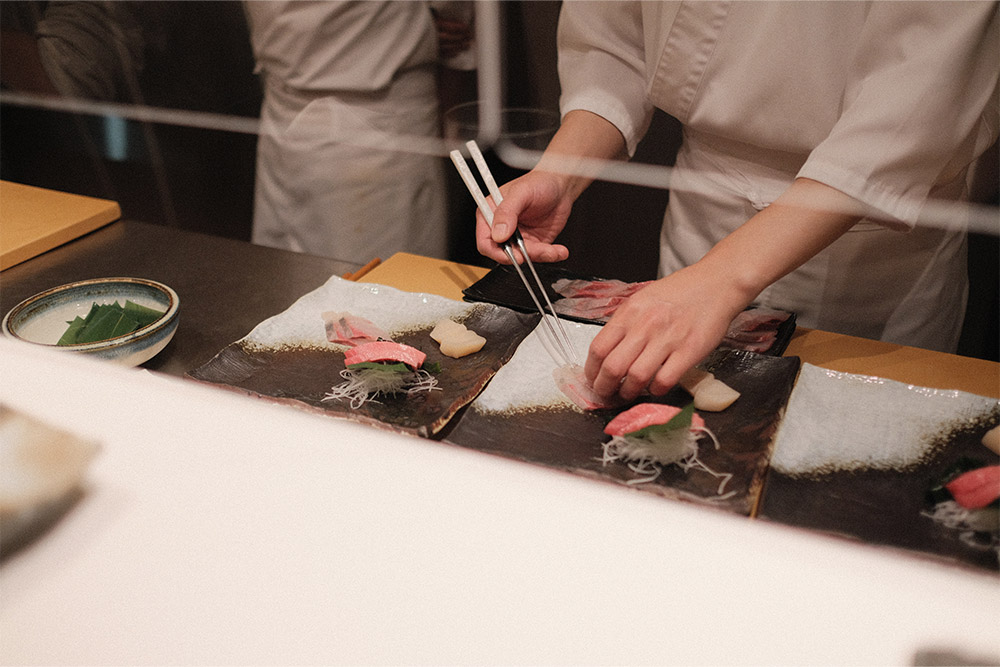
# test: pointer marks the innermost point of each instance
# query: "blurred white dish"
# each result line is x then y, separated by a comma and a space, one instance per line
41, 469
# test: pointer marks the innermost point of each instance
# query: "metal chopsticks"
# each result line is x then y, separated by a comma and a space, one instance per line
558, 343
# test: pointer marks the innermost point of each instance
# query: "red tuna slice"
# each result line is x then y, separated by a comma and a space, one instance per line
977, 488
385, 350
642, 415
347, 329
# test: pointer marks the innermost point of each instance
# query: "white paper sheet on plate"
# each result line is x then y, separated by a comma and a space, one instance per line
843, 421
392, 309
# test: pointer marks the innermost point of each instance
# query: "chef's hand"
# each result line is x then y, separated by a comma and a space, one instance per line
659, 333
663, 330
538, 204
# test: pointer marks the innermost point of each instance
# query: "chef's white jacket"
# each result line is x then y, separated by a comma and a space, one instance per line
888, 102
339, 77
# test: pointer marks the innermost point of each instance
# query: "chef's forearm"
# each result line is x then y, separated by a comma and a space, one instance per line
581, 137
801, 222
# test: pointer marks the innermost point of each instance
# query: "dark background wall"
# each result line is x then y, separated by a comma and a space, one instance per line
197, 58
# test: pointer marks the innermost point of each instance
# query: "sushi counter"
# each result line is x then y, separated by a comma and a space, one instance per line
216, 527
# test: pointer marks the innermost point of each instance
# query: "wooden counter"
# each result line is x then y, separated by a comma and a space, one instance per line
35, 220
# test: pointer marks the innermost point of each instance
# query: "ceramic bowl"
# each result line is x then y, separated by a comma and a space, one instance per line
42, 319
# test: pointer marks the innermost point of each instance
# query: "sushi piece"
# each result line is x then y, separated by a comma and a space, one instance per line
572, 382
710, 394
977, 488
381, 368
385, 350
456, 340
649, 436
351, 330
991, 440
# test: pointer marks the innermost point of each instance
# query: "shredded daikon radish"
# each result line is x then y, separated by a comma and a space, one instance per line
422, 381
978, 528
364, 385
647, 456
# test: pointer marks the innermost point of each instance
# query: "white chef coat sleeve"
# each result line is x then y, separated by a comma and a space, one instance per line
919, 106
602, 65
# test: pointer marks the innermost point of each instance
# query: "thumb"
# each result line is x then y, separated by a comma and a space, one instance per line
504, 222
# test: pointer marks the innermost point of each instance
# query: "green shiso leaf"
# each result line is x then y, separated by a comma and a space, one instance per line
682, 420
141, 314
95, 308
101, 326
106, 321
378, 366
72, 332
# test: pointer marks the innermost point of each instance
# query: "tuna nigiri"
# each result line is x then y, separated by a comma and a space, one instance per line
381, 368
648, 436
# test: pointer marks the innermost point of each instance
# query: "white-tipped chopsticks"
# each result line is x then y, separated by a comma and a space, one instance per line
554, 338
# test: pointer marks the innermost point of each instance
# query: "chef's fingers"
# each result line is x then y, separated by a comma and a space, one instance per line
485, 243
544, 252
605, 341
505, 217
647, 364
611, 354
670, 371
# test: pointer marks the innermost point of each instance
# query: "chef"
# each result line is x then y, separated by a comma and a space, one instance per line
338, 76
814, 132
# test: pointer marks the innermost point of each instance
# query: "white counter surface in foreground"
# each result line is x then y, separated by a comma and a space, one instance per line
219, 529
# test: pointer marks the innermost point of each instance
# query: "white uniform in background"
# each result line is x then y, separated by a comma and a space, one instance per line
887, 102
331, 72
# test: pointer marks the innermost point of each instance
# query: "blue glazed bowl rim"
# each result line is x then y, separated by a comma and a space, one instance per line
164, 322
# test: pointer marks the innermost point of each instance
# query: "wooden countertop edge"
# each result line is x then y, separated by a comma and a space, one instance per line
911, 365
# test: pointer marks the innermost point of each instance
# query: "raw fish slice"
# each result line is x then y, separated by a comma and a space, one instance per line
591, 308
573, 383
347, 329
590, 288
642, 415
754, 330
977, 488
596, 288
635, 287
755, 319
385, 350
755, 336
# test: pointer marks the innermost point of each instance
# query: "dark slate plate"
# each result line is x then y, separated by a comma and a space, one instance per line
301, 374
887, 507
503, 287
567, 439
857, 455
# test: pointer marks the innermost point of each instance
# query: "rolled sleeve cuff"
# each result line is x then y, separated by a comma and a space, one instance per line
897, 209
629, 123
